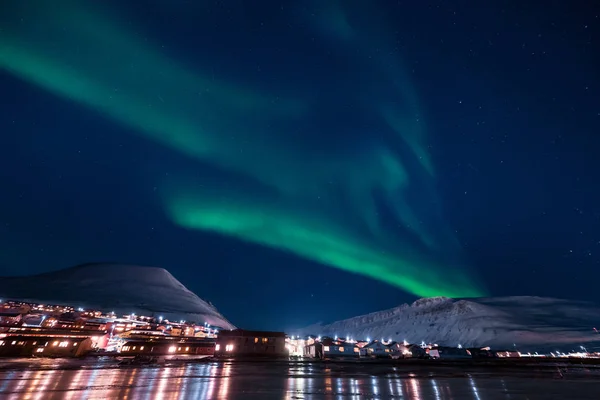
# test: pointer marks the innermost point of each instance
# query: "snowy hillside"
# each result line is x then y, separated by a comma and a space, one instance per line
527, 322
114, 287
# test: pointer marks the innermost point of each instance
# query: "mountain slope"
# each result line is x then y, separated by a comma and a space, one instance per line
115, 287
532, 322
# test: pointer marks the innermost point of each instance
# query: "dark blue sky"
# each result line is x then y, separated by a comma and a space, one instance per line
510, 93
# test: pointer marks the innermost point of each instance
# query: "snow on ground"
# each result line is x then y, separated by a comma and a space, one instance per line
123, 289
519, 321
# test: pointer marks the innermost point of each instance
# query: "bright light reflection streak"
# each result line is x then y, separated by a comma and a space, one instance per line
290, 387
339, 386
211, 383
203, 385
74, 384
399, 387
163, 381
436, 391
374, 386
182, 382
9, 378
152, 378
474, 388
224, 383
328, 386
416, 389
20, 386
300, 386
46, 382
32, 387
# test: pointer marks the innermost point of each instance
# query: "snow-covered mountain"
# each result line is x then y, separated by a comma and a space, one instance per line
120, 288
524, 321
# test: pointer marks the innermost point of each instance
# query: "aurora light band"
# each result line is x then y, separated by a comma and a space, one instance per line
365, 204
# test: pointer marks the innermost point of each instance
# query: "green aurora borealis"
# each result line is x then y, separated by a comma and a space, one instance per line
364, 205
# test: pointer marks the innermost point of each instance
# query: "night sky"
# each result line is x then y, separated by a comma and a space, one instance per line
297, 162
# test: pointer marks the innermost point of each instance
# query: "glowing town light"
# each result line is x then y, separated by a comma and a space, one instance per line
368, 339
405, 342
460, 346
160, 318
319, 339
229, 347
347, 338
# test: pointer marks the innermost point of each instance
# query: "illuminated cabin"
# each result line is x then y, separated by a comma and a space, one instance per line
452, 353
330, 348
165, 346
10, 317
242, 343
376, 349
41, 343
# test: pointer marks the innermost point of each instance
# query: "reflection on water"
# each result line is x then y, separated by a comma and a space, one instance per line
281, 381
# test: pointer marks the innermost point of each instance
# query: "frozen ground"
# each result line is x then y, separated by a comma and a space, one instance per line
269, 380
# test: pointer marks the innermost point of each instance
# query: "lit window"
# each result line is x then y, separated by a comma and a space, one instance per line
187, 349
134, 347
63, 344
325, 348
74, 344
341, 349
218, 347
41, 349
265, 340
172, 349
356, 349
229, 347
141, 348
55, 343
255, 340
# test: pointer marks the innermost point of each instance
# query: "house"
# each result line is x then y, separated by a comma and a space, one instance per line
243, 343
375, 349
417, 351
10, 317
399, 350
506, 354
166, 346
45, 345
330, 348
452, 353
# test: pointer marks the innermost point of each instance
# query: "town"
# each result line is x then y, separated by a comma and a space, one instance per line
44, 330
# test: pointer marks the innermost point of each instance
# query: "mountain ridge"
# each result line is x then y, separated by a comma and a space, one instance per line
121, 288
529, 321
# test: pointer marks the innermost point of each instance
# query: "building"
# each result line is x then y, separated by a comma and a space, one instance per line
506, 354
22, 342
399, 350
242, 343
165, 346
375, 349
452, 353
10, 317
330, 348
